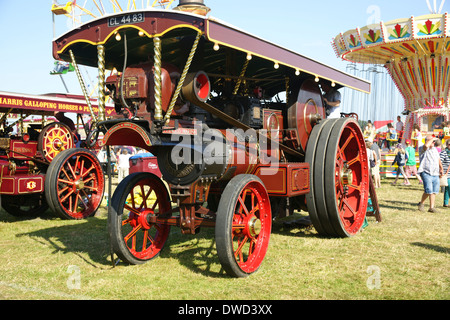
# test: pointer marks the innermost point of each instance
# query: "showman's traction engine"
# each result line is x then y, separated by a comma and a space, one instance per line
238, 126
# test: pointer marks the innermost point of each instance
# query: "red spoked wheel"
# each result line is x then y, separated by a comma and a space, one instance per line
54, 138
243, 225
138, 200
339, 189
74, 184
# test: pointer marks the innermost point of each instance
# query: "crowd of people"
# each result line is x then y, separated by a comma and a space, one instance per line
121, 158
433, 164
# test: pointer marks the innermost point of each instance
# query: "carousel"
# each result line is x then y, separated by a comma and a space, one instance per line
416, 53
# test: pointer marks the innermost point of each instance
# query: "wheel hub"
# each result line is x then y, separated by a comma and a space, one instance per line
146, 219
346, 175
254, 226
57, 144
79, 184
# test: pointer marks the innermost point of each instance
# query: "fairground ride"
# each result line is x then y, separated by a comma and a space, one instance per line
416, 53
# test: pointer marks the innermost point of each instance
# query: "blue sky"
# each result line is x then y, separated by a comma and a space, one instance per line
306, 27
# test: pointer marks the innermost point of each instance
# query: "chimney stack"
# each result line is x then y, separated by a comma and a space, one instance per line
193, 6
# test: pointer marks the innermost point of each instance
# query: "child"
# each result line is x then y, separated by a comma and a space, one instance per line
400, 158
411, 164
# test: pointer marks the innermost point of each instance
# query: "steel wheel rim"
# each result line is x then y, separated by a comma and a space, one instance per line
141, 234
80, 186
251, 227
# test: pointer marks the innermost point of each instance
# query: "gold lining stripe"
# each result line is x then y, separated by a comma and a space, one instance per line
112, 33
277, 61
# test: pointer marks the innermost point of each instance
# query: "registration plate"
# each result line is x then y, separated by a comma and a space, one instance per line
130, 18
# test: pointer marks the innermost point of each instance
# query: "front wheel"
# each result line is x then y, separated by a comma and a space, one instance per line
74, 184
243, 225
135, 234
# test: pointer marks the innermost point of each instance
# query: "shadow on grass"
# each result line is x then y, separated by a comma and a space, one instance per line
81, 237
6, 217
398, 205
197, 253
88, 239
432, 247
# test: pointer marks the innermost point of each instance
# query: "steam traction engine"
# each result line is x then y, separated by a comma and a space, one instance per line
40, 166
207, 100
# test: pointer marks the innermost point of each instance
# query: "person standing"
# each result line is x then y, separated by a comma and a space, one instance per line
376, 170
411, 164
445, 160
417, 136
369, 132
430, 169
400, 159
123, 164
399, 128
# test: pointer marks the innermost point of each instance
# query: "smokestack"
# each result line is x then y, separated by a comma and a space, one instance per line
193, 6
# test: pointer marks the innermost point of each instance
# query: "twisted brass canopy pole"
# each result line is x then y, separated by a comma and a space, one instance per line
101, 82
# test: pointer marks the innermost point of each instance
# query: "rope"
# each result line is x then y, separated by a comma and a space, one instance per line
83, 86
241, 76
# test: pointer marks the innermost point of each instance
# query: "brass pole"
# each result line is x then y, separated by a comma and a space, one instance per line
157, 65
101, 83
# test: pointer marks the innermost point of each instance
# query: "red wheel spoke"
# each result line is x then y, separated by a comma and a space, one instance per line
75, 205
82, 202
354, 160
127, 221
67, 195
346, 143
243, 206
133, 202
89, 179
66, 181
132, 233
238, 227
64, 171
90, 188
60, 192
133, 210
89, 170
355, 187
238, 251
71, 170
81, 169
344, 213
77, 159
144, 240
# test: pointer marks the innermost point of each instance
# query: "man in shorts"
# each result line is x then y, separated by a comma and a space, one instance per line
430, 170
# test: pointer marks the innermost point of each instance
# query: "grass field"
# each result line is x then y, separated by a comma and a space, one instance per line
406, 256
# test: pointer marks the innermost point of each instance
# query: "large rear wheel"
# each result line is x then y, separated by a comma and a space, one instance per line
243, 225
337, 201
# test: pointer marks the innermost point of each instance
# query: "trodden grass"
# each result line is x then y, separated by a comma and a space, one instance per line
406, 256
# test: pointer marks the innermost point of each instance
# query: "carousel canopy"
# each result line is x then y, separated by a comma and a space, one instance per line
415, 51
